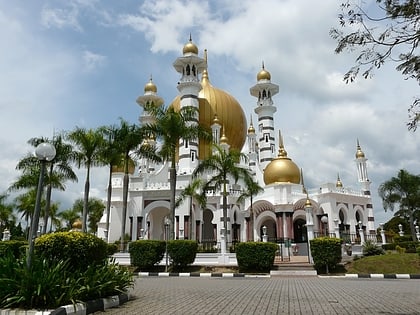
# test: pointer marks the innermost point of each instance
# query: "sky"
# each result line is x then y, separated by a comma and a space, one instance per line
84, 62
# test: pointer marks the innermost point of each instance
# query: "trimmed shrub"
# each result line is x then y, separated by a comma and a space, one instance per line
182, 252
418, 250
16, 248
144, 254
255, 256
112, 249
402, 239
81, 249
372, 249
390, 246
326, 253
410, 246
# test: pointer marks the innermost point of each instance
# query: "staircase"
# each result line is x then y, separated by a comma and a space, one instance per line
296, 266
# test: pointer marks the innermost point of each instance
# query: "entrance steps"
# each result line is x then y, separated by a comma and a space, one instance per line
292, 266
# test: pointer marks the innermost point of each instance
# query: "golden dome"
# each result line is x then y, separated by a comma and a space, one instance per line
263, 74
223, 138
282, 169
251, 129
338, 184
214, 101
120, 167
150, 87
190, 47
77, 224
359, 152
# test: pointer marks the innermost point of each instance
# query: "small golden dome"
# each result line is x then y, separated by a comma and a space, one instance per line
251, 129
190, 47
339, 184
282, 169
150, 87
263, 74
216, 120
120, 167
77, 224
308, 203
223, 138
359, 152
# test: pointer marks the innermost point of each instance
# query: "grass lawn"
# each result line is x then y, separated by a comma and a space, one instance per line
390, 263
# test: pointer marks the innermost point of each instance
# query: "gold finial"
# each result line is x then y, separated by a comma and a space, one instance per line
282, 151
223, 139
338, 184
359, 152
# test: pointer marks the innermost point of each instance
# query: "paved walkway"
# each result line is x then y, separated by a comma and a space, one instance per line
275, 295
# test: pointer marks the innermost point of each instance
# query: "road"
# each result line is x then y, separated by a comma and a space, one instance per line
274, 295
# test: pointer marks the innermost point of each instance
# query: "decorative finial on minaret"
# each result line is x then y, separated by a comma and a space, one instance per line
302, 182
263, 65
282, 151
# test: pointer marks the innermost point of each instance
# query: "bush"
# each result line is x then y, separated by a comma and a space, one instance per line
410, 246
402, 239
50, 284
390, 246
182, 252
112, 249
326, 253
144, 254
372, 249
255, 256
400, 250
418, 250
81, 249
16, 248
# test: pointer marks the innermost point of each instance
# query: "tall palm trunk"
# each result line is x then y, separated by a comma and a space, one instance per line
108, 201
191, 219
172, 181
86, 200
125, 202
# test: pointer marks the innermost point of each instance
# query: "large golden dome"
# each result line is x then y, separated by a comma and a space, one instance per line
214, 101
120, 167
281, 169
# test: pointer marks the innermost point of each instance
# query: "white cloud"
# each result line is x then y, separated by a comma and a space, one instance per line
93, 61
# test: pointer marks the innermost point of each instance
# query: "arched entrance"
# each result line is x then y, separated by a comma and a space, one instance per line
271, 231
208, 236
299, 231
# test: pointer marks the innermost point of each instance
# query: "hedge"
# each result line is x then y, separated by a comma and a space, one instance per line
255, 256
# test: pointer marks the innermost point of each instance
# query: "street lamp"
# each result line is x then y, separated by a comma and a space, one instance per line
45, 152
6, 235
167, 223
264, 230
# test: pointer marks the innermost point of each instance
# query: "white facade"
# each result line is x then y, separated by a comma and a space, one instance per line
280, 208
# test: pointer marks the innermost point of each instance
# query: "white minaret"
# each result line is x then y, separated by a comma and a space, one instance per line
365, 182
263, 91
190, 65
252, 147
150, 97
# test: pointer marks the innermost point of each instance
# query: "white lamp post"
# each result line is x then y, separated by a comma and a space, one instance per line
264, 230
6, 235
417, 232
361, 233
381, 226
45, 152
167, 224
401, 232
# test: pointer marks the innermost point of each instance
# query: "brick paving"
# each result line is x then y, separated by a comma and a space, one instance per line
275, 295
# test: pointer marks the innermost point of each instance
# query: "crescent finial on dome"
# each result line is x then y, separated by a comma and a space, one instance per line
338, 184
359, 152
282, 151
251, 129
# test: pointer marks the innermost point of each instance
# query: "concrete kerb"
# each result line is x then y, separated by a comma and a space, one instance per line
76, 309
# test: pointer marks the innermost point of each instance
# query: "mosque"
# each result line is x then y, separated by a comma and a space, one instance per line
286, 211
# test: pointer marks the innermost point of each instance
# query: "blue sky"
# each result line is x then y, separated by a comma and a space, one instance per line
84, 63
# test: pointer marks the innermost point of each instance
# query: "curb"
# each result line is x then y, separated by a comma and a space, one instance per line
202, 274
382, 276
78, 308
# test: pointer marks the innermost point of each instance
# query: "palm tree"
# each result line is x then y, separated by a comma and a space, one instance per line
25, 203
251, 189
404, 191
88, 144
171, 126
111, 156
194, 191
69, 216
6, 212
59, 169
221, 166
